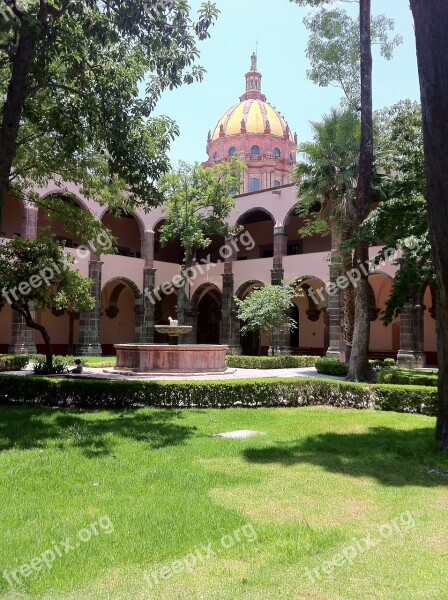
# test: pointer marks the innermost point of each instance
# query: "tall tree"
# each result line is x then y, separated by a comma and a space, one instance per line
70, 108
359, 369
198, 202
431, 25
340, 51
327, 179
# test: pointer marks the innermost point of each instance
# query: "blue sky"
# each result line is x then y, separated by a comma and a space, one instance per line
282, 38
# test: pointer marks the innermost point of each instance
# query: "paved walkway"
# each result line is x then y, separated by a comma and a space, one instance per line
230, 374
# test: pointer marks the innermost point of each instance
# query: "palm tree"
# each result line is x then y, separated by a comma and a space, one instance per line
327, 185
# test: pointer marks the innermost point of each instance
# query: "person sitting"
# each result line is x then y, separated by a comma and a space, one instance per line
78, 368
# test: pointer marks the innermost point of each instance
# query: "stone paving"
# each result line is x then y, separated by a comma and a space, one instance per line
102, 373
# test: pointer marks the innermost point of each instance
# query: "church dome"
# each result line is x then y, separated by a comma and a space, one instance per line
258, 134
258, 117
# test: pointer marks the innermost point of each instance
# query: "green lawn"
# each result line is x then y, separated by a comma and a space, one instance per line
153, 487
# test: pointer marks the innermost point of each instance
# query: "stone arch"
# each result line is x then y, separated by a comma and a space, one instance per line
254, 210
312, 318
128, 229
206, 306
81, 202
240, 293
201, 291
296, 243
122, 313
259, 223
384, 341
58, 228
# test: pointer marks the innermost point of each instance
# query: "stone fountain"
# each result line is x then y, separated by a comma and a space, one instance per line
171, 358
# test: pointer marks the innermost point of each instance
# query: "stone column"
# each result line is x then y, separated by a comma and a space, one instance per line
89, 322
230, 325
411, 354
334, 309
22, 337
283, 342
146, 335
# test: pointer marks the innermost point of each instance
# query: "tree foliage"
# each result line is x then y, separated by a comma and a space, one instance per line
400, 222
334, 52
39, 275
70, 81
267, 310
198, 203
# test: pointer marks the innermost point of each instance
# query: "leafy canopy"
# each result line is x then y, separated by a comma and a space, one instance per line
198, 202
267, 310
40, 274
84, 119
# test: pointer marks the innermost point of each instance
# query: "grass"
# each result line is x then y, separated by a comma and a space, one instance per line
316, 480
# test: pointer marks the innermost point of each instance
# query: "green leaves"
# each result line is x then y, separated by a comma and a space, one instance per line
38, 272
198, 202
267, 309
83, 119
334, 52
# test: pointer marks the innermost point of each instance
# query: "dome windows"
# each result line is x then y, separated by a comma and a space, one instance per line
254, 185
255, 151
215, 156
232, 151
277, 152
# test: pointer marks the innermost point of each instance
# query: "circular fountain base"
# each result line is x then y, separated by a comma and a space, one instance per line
167, 359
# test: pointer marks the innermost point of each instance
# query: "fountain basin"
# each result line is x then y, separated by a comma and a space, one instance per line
165, 358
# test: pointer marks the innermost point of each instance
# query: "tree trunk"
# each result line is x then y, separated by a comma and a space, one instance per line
431, 26
14, 103
359, 360
181, 295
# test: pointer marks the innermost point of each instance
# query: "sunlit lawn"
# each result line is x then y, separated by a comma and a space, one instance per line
320, 481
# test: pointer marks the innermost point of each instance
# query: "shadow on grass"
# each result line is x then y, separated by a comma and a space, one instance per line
27, 428
393, 457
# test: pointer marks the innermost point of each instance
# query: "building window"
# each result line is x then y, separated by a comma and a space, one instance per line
232, 151
277, 183
277, 152
255, 151
215, 156
254, 185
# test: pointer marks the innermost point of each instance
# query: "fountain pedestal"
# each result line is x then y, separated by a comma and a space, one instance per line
166, 359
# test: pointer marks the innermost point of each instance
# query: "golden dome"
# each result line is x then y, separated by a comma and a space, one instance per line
255, 113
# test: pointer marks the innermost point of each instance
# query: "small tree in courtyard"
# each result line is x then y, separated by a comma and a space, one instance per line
267, 310
198, 203
37, 275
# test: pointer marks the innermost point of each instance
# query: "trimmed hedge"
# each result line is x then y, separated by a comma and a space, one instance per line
408, 377
331, 366
13, 362
100, 393
270, 362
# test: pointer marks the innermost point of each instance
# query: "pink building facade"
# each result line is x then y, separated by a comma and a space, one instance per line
133, 291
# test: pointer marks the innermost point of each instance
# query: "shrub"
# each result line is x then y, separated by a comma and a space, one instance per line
331, 366
406, 398
408, 377
40, 367
13, 362
270, 362
98, 393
